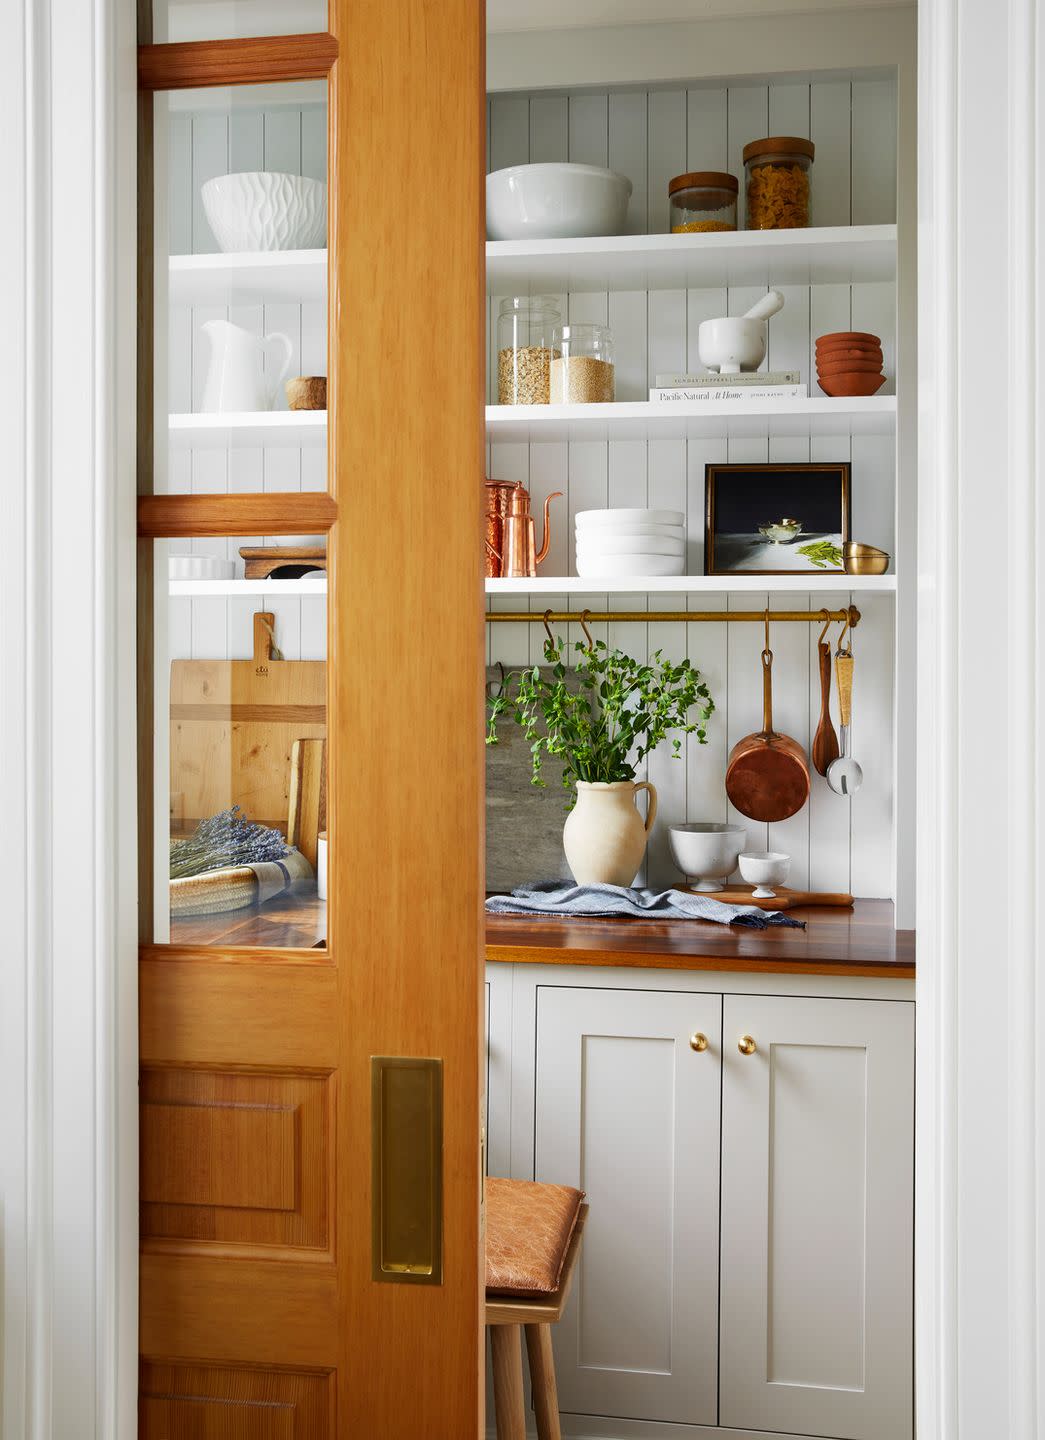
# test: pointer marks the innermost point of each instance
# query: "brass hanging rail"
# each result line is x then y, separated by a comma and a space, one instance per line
850, 614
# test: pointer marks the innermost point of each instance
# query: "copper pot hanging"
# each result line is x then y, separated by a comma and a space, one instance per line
768, 776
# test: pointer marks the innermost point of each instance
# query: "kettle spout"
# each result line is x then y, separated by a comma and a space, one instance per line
555, 495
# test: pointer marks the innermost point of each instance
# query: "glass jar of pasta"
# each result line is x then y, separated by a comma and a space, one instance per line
776, 172
703, 200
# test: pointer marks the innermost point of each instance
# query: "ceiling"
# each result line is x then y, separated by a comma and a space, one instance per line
505, 16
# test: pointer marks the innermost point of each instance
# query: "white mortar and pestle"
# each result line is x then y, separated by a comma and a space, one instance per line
736, 344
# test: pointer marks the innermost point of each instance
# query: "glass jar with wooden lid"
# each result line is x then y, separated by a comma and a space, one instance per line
703, 200
776, 173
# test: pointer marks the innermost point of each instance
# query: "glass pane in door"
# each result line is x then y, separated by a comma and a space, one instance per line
175, 20
239, 830
240, 314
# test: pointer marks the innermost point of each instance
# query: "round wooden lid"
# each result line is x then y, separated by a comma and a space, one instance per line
778, 145
704, 180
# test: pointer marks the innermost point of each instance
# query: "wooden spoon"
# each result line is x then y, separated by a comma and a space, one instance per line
825, 741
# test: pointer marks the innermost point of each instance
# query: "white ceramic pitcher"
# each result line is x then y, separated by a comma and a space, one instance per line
604, 836
236, 378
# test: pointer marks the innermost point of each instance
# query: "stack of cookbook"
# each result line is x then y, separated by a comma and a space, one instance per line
752, 385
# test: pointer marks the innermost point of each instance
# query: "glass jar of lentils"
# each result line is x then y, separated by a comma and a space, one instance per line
776, 172
703, 200
525, 329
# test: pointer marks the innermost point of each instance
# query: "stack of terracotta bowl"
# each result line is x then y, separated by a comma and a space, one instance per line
849, 362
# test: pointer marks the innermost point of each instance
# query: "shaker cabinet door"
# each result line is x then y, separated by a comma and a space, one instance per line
817, 1225
628, 1110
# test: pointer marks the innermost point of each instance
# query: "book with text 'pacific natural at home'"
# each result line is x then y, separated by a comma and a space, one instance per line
729, 392
669, 380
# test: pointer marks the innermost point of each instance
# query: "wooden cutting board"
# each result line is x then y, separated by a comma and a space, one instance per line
785, 899
233, 728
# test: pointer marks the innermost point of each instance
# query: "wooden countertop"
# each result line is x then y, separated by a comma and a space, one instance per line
859, 942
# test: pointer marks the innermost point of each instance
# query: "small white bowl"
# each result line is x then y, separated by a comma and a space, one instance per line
731, 344
706, 851
631, 527
266, 210
614, 544
598, 518
763, 868
618, 567
555, 202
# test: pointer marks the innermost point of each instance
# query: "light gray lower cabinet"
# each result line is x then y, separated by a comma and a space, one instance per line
790, 1312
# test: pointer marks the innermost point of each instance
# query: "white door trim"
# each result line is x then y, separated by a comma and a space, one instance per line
68, 1150
980, 1282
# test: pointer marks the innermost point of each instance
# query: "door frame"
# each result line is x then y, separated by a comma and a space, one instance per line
68, 1057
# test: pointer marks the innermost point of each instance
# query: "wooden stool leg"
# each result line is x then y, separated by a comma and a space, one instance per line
508, 1407
542, 1377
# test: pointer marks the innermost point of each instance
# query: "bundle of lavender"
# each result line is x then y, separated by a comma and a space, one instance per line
224, 840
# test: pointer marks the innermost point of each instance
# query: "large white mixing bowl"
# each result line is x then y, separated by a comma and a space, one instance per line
266, 210
555, 202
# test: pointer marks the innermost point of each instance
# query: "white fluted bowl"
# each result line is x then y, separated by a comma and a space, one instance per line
266, 210
555, 201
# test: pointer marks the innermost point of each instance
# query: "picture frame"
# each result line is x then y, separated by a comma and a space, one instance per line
776, 519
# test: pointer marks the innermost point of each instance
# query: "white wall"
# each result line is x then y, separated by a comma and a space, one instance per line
835, 843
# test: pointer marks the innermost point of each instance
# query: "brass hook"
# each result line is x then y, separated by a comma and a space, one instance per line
547, 628
491, 693
766, 650
584, 627
827, 621
844, 649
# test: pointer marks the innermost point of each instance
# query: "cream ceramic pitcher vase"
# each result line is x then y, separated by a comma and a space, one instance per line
236, 378
604, 836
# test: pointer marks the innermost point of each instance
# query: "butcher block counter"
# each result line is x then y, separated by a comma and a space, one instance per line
862, 941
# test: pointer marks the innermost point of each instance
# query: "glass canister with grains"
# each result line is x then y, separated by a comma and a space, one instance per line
703, 200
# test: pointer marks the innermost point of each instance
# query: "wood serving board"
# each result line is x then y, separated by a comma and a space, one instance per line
261, 562
233, 728
785, 899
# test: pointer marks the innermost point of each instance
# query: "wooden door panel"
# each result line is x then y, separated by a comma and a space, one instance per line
222, 1009
210, 1402
236, 1159
251, 1312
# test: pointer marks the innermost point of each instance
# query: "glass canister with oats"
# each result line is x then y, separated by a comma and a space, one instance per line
777, 182
525, 329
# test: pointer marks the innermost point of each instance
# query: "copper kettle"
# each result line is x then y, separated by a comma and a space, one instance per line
518, 555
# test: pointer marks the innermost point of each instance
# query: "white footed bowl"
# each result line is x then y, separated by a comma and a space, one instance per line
615, 567
598, 518
630, 545
266, 210
763, 868
555, 202
731, 344
706, 851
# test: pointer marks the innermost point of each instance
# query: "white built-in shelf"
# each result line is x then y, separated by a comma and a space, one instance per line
644, 419
837, 254
296, 276
274, 589
694, 585
297, 428
572, 585
833, 255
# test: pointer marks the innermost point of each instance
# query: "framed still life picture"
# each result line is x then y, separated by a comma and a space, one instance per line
775, 519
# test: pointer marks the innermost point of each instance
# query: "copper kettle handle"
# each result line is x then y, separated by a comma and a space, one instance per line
555, 495
767, 692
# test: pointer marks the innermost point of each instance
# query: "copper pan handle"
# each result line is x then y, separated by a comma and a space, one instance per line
767, 692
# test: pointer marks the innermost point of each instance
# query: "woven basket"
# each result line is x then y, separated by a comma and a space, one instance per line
234, 888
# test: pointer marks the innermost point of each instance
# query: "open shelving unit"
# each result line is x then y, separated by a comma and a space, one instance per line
831, 584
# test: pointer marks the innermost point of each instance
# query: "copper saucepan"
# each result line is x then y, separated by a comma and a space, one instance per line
767, 777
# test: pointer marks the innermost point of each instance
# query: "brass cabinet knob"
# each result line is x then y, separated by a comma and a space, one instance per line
746, 1045
698, 1041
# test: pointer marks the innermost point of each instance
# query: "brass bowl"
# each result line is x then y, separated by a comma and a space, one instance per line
860, 559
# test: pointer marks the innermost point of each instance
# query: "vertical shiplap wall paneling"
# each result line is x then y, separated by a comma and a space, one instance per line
650, 137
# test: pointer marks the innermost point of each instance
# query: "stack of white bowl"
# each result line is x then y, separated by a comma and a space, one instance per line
616, 544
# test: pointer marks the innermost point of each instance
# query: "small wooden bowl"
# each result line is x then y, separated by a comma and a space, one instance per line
307, 392
849, 352
857, 382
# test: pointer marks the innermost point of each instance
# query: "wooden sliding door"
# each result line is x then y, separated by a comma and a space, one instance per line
311, 1078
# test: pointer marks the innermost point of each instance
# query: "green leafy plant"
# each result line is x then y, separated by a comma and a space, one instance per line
823, 554
613, 714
